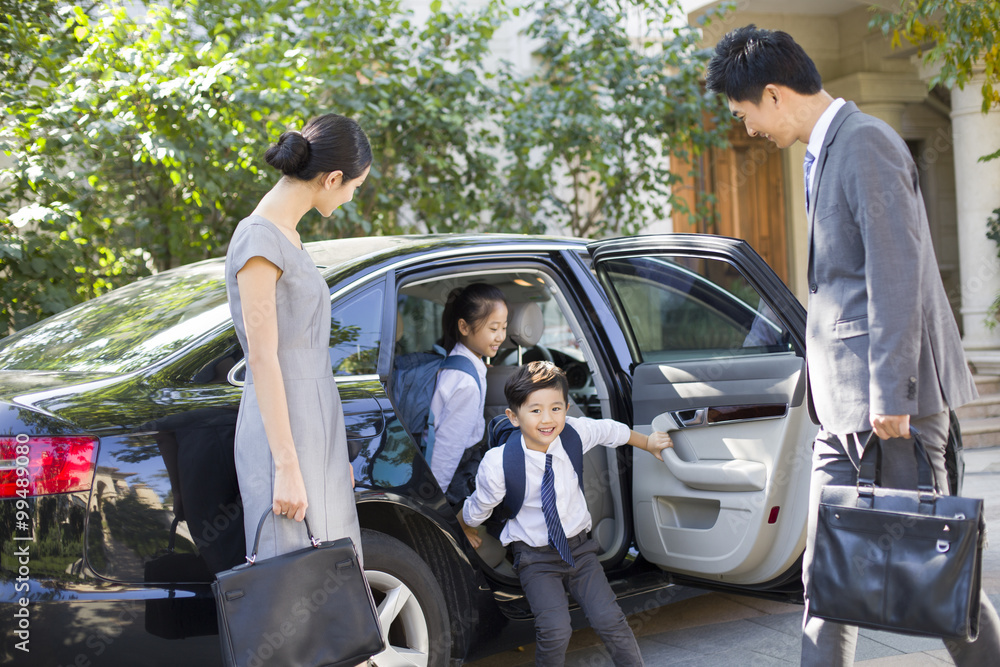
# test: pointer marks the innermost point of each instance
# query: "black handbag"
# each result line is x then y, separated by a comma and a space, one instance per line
310, 608
898, 560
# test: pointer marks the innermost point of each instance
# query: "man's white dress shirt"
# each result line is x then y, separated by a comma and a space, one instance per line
816, 139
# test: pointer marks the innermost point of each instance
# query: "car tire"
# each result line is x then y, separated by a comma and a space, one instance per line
411, 606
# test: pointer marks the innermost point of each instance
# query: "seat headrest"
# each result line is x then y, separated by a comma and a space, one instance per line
525, 324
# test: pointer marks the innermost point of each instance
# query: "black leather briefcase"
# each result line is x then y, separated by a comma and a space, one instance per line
898, 560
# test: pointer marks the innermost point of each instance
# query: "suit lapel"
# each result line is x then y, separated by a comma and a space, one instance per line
831, 133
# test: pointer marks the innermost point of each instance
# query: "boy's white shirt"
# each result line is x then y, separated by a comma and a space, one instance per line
458, 415
529, 524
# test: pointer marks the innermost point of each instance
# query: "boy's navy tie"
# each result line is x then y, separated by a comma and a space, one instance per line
557, 536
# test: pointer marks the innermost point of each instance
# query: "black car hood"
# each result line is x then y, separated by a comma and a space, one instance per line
17, 384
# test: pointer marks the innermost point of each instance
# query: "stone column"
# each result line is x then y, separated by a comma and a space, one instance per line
978, 194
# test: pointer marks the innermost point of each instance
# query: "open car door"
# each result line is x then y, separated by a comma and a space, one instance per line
718, 359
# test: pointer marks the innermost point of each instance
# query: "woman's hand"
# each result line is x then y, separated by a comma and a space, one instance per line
290, 493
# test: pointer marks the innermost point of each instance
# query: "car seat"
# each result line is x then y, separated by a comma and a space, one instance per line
525, 324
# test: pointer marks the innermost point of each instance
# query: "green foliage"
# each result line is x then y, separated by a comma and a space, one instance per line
134, 137
591, 131
962, 37
135, 141
993, 233
959, 35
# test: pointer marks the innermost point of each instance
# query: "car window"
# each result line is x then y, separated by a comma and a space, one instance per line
419, 310
686, 308
125, 329
355, 329
418, 323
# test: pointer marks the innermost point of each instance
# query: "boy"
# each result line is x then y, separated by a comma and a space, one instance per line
549, 533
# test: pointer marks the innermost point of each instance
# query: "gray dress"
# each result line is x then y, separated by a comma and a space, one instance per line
303, 311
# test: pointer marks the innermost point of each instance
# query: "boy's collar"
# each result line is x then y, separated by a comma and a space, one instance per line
554, 447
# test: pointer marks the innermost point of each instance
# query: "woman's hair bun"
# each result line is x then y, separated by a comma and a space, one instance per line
290, 155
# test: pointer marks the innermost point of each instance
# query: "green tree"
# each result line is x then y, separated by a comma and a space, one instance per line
135, 141
135, 136
592, 130
958, 35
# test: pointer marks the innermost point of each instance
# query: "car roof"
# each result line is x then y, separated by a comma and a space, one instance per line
336, 252
337, 255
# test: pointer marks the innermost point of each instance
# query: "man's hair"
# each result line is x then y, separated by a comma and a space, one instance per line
749, 58
530, 378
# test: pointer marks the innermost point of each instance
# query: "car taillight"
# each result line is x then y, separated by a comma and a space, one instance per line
43, 465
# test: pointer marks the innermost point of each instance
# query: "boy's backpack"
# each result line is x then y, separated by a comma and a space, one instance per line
500, 431
414, 378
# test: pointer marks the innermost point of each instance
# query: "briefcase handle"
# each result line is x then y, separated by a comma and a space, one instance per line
252, 558
871, 462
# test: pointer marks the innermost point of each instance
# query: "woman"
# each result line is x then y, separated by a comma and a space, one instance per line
291, 447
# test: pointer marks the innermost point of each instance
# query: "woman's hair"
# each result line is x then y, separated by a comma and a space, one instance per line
747, 59
327, 143
472, 304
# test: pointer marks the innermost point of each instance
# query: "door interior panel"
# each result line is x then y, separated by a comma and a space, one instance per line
715, 506
773, 379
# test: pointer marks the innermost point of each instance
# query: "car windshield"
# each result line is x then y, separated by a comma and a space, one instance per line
126, 329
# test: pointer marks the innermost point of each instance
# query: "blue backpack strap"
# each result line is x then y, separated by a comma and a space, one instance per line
458, 362
513, 472
573, 445
498, 430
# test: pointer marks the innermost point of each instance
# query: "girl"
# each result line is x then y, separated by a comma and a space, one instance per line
291, 444
474, 323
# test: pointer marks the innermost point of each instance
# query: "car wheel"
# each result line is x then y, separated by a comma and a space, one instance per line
411, 606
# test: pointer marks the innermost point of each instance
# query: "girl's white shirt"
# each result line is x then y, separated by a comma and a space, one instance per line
458, 406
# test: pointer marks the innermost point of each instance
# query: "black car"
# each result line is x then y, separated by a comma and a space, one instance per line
118, 493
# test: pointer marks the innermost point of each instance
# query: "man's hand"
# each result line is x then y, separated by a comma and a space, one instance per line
891, 426
656, 442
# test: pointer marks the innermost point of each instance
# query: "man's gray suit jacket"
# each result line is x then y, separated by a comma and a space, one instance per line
880, 336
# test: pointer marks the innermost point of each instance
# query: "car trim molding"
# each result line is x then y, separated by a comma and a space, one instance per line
241, 364
454, 252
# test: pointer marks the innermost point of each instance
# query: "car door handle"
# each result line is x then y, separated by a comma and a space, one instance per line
689, 418
727, 414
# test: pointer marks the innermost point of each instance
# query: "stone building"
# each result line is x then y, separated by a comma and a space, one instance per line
761, 190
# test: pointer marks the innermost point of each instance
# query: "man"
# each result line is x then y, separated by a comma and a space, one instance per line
882, 345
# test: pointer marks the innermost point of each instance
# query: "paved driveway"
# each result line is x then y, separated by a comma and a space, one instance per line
721, 630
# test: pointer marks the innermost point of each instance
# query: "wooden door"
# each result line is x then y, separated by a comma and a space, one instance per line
739, 192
